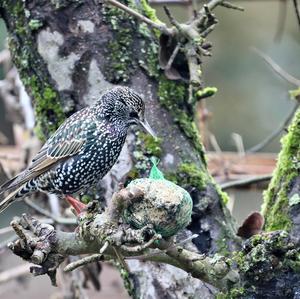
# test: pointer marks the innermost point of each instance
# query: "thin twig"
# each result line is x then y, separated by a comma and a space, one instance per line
142, 246
231, 5
238, 141
276, 133
172, 57
145, 256
104, 247
276, 68
159, 26
171, 18
214, 143
243, 182
86, 260
297, 10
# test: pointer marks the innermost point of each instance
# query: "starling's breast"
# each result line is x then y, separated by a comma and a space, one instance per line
83, 170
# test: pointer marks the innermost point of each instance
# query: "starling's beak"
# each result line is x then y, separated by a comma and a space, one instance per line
143, 122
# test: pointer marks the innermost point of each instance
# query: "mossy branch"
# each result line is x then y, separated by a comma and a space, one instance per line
277, 206
104, 237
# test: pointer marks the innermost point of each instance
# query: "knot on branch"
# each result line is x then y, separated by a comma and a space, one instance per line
35, 244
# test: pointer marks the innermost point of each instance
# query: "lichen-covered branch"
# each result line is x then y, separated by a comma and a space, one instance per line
258, 269
102, 235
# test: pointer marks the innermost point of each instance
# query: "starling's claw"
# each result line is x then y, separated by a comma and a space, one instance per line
76, 204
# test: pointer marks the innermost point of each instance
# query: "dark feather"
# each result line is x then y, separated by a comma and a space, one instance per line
67, 141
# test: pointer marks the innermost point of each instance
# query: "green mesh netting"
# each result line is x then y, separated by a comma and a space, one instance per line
155, 173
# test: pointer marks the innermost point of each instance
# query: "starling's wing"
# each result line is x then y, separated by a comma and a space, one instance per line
70, 138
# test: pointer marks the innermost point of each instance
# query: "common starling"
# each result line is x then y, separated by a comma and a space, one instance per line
82, 150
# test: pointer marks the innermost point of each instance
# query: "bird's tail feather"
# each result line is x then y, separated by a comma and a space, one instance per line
13, 183
10, 199
7, 184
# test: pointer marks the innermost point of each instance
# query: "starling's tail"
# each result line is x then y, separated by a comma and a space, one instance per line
18, 193
9, 199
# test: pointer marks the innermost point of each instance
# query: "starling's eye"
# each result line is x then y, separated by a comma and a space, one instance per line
133, 114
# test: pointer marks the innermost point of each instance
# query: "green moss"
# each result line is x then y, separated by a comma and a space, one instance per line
295, 93
151, 146
148, 43
188, 175
146, 148
206, 92
32, 70
223, 195
191, 175
173, 96
120, 65
127, 280
150, 12
234, 293
35, 24
48, 111
148, 59
276, 202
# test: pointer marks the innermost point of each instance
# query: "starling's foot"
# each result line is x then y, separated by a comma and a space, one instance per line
76, 204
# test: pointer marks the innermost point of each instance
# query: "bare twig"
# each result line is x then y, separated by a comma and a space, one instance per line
152, 254
141, 247
277, 69
86, 260
244, 182
232, 6
159, 26
276, 133
238, 141
172, 57
171, 18
214, 143
296, 6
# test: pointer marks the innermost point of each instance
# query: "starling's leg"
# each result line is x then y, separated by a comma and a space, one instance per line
76, 204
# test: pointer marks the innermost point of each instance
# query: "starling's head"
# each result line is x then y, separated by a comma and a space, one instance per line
124, 105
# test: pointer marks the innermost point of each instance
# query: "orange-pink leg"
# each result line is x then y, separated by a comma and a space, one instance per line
76, 204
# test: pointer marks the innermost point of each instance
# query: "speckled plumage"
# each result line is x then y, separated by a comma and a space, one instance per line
82, 150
